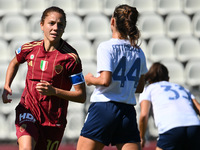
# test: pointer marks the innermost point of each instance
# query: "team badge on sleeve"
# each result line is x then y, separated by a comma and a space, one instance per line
77, 78
18, 50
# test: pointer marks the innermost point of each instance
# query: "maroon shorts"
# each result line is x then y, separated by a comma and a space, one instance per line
46, 137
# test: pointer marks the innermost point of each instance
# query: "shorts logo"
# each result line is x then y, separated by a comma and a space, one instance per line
43, 65
22, 128
58, 69
26, 117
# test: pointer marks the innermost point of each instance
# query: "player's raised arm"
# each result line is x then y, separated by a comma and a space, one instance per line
144, 116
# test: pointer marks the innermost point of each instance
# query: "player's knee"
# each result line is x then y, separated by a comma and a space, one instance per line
25, 147
26, 142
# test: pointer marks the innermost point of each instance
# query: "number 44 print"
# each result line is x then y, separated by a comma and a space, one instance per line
119, 72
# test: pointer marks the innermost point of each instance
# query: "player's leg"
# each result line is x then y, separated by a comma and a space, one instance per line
49, 138
26, 128
99, 126
129, 146
26, 142
88, 144
157, 148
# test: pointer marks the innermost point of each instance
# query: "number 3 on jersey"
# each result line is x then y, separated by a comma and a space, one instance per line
119, 72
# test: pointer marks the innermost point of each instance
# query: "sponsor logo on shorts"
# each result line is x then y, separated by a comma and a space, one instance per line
22, 128
26, 117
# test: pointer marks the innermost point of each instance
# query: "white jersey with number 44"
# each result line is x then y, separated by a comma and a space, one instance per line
126, 63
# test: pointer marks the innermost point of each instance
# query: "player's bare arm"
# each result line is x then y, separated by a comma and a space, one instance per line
104, 79
144, 115
11, 72
196, 106
78, 95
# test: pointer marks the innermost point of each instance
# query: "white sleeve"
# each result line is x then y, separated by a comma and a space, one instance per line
144, 64
192, 96
104, 59
145, 95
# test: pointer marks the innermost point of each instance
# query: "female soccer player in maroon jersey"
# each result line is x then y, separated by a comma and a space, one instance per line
53, 67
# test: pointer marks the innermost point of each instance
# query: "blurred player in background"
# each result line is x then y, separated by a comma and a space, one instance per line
175, 112
53, 67
121, 64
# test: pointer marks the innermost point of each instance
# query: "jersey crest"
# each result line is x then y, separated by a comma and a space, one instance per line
58, 69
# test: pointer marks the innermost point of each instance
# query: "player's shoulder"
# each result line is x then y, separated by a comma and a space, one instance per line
156, 85
104, 47
32, 44
106, 43
27, 47
73, 57
69, 51
66, 48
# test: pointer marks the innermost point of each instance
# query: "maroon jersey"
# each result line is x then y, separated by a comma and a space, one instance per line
54, 67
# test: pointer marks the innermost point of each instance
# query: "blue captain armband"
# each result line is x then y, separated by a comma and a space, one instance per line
77, 78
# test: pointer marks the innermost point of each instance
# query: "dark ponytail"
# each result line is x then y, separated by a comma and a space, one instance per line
126, 19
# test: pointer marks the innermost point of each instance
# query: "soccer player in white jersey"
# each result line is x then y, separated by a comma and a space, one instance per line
121, 64
175, 111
